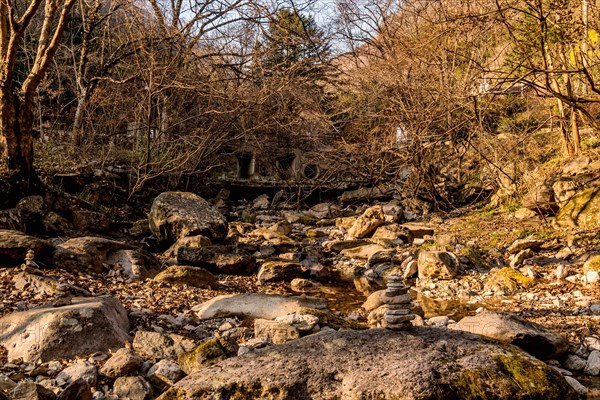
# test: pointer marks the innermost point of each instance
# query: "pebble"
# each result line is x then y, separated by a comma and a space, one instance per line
592, 366
577, 386
562, 271
574, 363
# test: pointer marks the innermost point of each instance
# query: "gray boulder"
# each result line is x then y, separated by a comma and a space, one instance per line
426, 363
175, 215
510, 328
86, 326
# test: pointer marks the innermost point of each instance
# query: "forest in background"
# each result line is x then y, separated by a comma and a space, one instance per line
468, 97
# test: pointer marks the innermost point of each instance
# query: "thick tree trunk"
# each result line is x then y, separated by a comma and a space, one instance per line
16, 134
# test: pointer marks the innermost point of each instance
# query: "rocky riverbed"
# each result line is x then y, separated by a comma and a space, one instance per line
276, 302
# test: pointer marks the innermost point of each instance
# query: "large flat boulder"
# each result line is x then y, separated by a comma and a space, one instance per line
510, 328
14, 246
86, 326
175, 215
256, 305
426, 363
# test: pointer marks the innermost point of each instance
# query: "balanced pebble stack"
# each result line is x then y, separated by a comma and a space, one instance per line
398, 314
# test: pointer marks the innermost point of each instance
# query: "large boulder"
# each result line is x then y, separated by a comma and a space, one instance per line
93, 254
14, 245
426, 363
186, 275
86, 326
510, 328
175, 215
11, 219
218, 259
583, 209
541, 199
367, 223
255, 305
438, 265
280, 270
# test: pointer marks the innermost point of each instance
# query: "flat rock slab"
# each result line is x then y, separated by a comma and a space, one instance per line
426, 363
48, 333
509, 328
255, 305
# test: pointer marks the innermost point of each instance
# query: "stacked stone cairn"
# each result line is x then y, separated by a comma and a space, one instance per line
398, 314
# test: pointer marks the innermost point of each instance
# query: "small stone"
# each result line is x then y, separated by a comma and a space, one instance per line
132, 388
6, 384
278, 332
577, 386
574, 363
402, 311
592, 343
397, 319
243, 350
524, 244
592, 366
123, 362
402, 299
592, 277
303, 322
165, 374
561, 272
81, 370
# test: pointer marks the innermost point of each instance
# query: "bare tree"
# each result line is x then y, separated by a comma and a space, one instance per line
17, 98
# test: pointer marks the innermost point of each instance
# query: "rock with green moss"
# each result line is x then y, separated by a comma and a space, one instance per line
592, 264
424, 364
508, 280
510, 328
206, 354
583, 209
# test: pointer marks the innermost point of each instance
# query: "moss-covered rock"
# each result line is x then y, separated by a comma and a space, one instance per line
424, 364
206, 354
513, 377
583, 209
508, 280
592, 264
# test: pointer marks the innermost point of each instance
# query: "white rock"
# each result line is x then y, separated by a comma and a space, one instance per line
438, 321
561, 272
592, 343
592, 277
592, 366
578, 387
